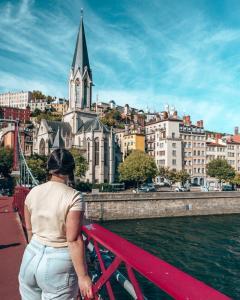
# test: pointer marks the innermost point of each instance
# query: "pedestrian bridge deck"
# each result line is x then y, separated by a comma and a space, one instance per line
12, 244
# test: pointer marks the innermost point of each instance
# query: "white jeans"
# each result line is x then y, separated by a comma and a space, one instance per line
47, 273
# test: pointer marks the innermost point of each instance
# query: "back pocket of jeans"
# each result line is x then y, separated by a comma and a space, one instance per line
57, 273
26, 261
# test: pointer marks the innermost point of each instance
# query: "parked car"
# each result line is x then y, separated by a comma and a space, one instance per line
227, 188
147, 187
182, 189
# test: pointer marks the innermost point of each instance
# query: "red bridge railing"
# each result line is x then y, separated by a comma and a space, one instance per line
171, 280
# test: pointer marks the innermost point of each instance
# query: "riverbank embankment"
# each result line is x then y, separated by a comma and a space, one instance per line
120, 206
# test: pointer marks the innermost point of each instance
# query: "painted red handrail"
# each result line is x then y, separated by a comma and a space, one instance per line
174, 282
19, 197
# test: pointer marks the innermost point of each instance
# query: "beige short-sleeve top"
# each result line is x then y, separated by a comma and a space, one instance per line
49, 204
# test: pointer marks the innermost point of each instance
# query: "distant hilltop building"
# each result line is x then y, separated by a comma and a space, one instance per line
25, 100
15, 99
80, 127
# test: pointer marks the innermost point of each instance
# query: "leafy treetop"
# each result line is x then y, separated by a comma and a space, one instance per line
138, 167
6, 161
38, 166
220, 169
81, 165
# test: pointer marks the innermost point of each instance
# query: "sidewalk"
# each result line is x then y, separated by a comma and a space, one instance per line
12, 244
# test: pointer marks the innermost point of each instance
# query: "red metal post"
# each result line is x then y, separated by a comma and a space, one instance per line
15, 149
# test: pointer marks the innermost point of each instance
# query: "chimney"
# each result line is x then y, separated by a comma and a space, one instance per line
175, 115
218, 137
165, 115
158, 118
187, 120
236, 130
200, 123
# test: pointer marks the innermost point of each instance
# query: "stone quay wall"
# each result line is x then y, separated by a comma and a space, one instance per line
120, 206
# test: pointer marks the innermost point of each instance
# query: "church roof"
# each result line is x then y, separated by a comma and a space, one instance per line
58, 141
95, 125
54, 126
80, 58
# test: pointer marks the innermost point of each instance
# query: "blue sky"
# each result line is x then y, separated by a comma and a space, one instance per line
147, 53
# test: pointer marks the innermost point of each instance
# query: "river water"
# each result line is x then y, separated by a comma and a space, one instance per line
207, 248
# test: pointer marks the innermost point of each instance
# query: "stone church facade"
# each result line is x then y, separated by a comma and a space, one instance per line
80, 127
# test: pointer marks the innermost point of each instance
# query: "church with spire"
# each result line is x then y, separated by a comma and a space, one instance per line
80, 127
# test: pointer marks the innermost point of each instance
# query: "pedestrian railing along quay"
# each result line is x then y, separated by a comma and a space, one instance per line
113, 253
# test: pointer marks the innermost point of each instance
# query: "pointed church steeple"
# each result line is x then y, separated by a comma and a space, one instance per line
80, 58
80, 82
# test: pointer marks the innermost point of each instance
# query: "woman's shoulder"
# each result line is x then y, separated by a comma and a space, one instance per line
37, 188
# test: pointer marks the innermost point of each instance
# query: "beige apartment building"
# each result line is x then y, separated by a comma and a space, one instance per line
163, 142
60, 108
15, 99
40, 104
178, 144
194, 149
224, 147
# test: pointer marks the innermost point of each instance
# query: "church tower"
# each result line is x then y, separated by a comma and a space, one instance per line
80, 81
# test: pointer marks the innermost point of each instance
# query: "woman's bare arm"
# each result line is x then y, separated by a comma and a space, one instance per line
27, 217
76, 248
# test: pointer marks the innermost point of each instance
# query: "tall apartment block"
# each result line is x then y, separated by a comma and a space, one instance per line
178, 144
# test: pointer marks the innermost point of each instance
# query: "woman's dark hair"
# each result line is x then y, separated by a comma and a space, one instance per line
61, 162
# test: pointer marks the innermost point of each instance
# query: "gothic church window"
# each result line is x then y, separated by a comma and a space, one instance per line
85, 93
96, 152
42, 147
77, 82
106, 152
88, 152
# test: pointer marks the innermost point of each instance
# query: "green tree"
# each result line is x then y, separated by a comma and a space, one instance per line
81, 165
36, 112
137, 168
6, 161
171, 176
183, 177
236, 179
38, 166
38, 95
162, 172
220, 169
48, 116
50, 99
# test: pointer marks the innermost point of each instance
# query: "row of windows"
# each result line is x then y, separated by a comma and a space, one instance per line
129, 143
192, 137
195, 161
191, 129
211, 157
189, 145
194, 153
196, 171
161, 145
217, 149
162, 162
